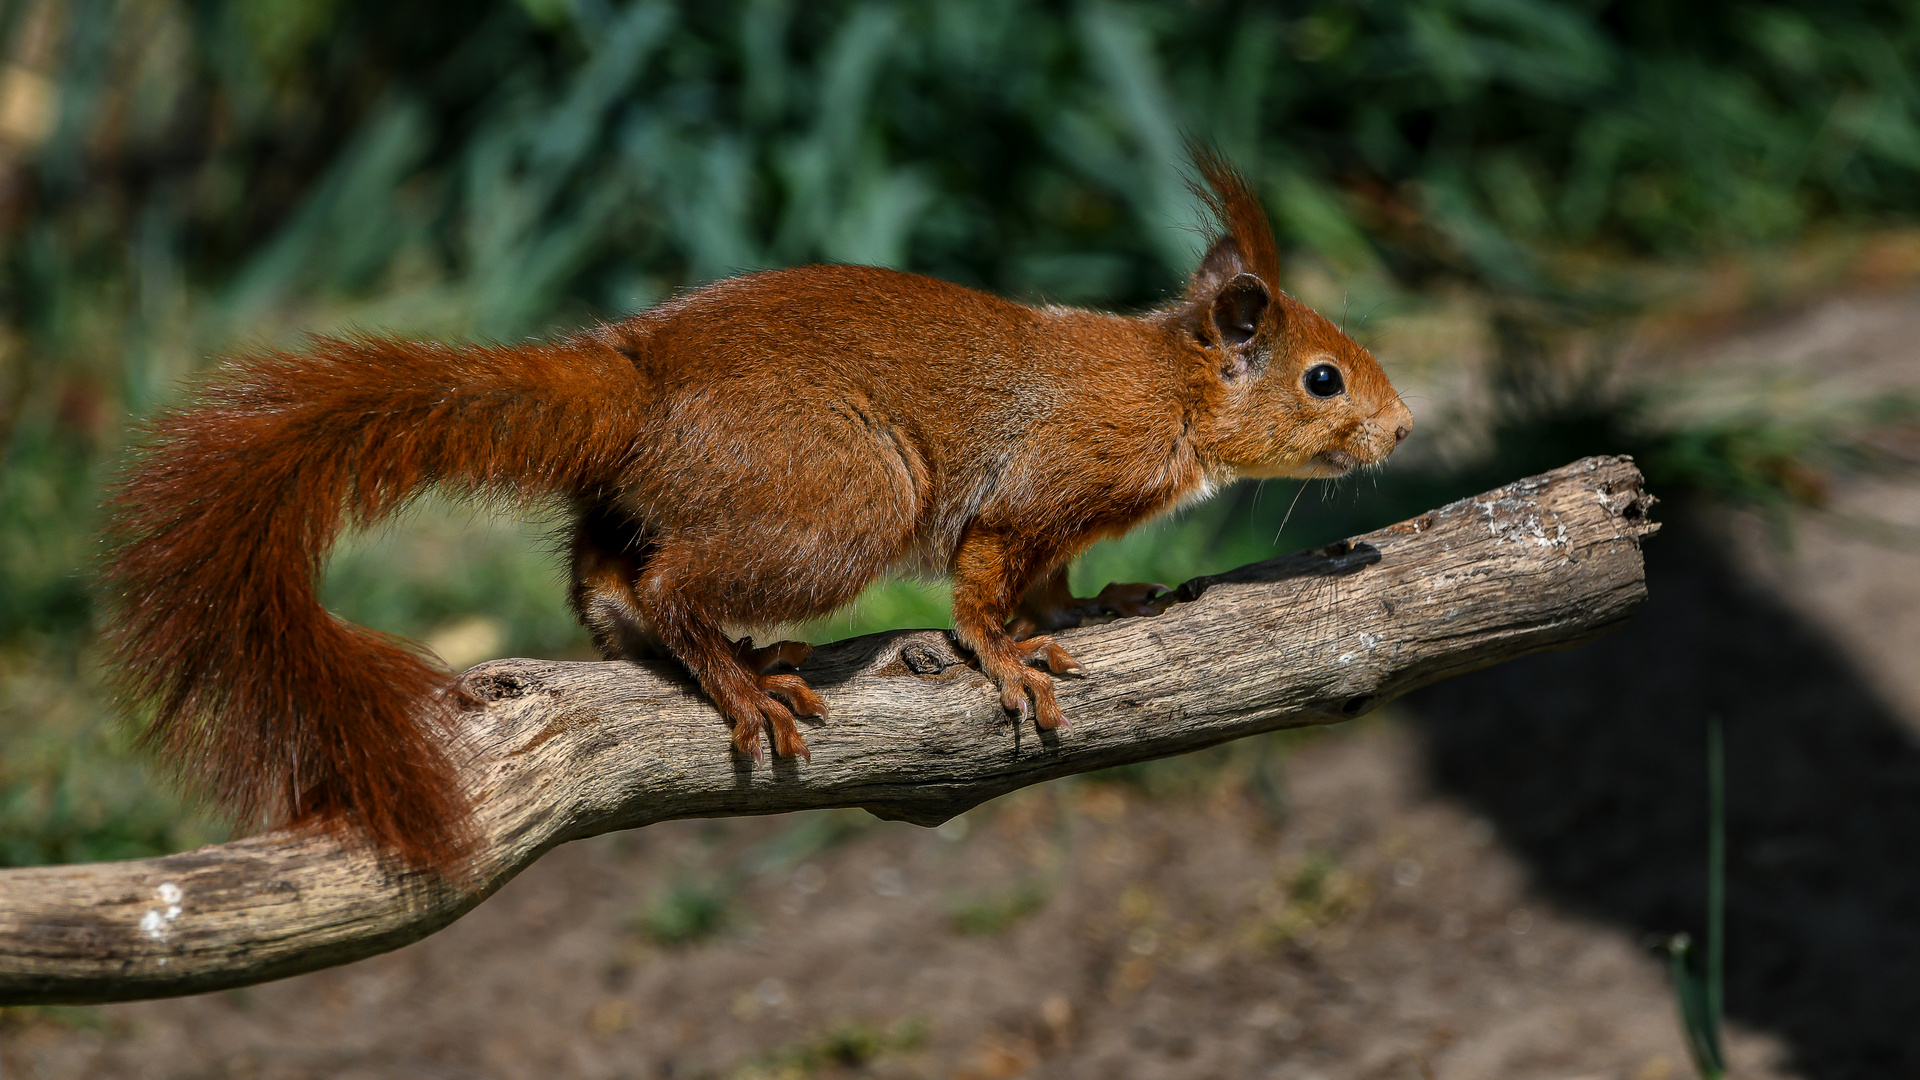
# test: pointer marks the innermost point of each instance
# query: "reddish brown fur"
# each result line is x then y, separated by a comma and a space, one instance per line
753, 453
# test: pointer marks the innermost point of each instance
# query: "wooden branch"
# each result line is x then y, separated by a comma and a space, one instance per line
569, 750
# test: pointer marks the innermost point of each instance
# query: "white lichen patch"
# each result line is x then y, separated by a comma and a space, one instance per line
158, 920
1368, 644
1519, 521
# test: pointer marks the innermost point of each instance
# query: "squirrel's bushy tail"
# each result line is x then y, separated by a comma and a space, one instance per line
221, 526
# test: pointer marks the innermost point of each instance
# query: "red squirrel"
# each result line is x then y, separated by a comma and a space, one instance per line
750, 453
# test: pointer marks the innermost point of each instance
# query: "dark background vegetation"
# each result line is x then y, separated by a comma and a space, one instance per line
183, 178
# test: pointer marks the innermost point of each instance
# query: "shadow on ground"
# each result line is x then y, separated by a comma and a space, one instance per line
1592, 765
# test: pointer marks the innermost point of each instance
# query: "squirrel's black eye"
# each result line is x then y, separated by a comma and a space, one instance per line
1323, 380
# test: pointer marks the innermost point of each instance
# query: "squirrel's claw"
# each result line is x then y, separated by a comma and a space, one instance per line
746, 741
1014, 700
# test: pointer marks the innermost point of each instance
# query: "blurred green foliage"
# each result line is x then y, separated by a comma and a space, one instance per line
685, 913
71, 790
181, 178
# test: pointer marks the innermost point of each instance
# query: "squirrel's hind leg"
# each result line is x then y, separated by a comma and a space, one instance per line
609, 551
612, 553
733, 675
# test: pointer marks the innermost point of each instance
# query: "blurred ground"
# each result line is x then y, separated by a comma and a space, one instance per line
1463, 889
1801, 629
1852, 567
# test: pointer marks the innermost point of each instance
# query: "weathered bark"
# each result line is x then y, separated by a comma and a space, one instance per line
568, 750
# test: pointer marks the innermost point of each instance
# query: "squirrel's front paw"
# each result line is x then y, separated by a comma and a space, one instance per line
1048, 653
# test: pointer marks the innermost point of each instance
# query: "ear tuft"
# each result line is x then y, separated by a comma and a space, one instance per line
1243, 222
1237, 309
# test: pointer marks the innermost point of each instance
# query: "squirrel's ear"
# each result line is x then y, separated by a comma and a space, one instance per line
1229, 320
1237, 307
